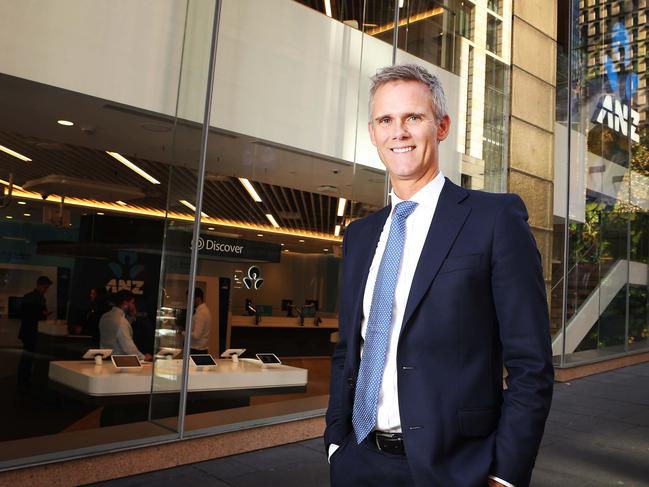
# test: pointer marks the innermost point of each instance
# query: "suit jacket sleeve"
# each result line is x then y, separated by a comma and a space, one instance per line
337, 427
521, 307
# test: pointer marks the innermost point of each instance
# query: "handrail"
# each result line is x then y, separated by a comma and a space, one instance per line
571, 269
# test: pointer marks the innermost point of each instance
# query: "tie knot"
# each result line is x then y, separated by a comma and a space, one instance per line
404, 209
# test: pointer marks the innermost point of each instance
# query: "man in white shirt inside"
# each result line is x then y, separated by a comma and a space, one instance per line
115, 331
201, 324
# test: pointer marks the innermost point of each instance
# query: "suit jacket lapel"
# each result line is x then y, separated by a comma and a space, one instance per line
446, 224
364, 249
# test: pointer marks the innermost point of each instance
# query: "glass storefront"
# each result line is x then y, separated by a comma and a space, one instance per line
599, 273
177, 178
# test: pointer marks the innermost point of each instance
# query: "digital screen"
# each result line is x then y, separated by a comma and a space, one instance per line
126, 361
203, 360
268, 358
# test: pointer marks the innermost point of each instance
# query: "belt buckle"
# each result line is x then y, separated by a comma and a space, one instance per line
376, 440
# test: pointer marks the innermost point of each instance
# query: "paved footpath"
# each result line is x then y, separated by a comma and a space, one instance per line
597, 435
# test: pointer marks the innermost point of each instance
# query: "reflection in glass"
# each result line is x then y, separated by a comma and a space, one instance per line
607, 266
494, 34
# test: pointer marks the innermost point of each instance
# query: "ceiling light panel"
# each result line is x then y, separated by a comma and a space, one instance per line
133, 167
272, 220
341, 206
17, 155
251, 189
193, 208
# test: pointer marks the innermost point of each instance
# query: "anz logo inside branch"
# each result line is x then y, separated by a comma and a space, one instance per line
614, 108
253, 280
126, 272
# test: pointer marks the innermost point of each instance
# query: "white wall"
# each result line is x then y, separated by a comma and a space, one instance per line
122, 50
289, 74
285, 73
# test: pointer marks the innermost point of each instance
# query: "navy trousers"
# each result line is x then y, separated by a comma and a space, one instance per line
364, 465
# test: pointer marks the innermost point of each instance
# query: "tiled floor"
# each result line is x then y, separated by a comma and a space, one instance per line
597, 435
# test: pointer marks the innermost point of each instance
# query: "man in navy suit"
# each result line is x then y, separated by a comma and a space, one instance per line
440, 290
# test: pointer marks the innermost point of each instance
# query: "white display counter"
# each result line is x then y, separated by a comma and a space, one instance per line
106, 380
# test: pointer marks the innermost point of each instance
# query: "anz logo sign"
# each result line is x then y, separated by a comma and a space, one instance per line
253, 280
614, 109
612, 113
126, 271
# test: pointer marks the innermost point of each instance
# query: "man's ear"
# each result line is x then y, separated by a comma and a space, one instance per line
370, 128
443, 128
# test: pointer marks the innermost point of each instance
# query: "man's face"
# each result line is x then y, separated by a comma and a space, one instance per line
130, 308
43, 288
404, 130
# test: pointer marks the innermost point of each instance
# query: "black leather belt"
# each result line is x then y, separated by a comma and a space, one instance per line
388, 442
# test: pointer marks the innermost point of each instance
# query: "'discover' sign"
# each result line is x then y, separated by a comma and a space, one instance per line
223, 247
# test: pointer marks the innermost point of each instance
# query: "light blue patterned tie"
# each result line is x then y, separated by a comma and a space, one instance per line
379, 324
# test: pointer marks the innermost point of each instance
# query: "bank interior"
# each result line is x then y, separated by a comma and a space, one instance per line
102, 196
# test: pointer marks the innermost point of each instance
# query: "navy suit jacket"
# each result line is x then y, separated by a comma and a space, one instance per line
477, 302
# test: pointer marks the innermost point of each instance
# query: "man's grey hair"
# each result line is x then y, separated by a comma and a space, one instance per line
411, 72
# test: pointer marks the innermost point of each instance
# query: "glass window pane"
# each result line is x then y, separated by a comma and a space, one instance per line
109, 125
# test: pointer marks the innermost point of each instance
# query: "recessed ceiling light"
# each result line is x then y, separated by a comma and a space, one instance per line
27, 214
22, 202
133, 167
121, 203
326, 250
211, 228
285, 250
9, 217
337, 231
282, 244
17, 155
67, 123
260, 234
100, 212
301, 240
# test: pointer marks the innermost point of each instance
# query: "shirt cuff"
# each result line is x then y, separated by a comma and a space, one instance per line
504, 482
332, 448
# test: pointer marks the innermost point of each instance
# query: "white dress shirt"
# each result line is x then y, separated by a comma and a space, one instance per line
417, 226
201, 323
116, 333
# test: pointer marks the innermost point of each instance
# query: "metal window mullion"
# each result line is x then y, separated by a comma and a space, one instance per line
197, 218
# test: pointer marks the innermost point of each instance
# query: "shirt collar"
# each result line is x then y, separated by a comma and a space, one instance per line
426, 196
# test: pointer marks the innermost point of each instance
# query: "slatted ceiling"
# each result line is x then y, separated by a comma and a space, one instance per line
278, 204
377, 12
224, 198
272, 204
